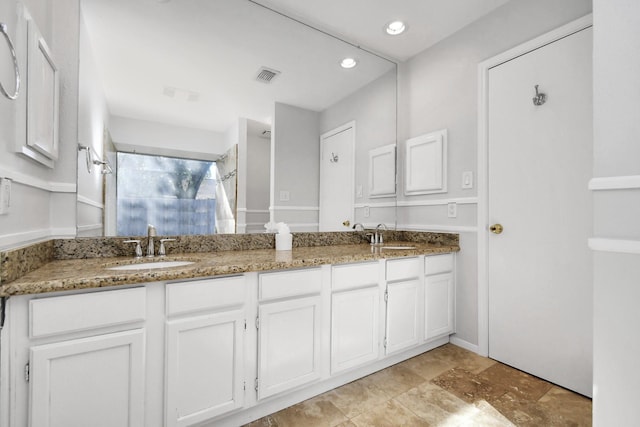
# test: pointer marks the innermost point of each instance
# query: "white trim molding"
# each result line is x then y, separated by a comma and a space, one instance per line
464, 344
30, 181
482, 176
375, 205
615, 245
439, 228
294, 208
253, 211
89, 227
87, 201
24, 238
438, 202
629, 182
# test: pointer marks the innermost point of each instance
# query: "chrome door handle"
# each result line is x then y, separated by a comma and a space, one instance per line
496, 228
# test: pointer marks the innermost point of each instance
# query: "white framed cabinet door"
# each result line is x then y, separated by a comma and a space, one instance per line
439, 308
288, 344
204, 363
403, 315
355, 334
96, 381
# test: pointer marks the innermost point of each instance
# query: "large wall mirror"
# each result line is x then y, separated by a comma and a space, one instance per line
218, 116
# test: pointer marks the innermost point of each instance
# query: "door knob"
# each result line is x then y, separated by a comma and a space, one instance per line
346, 223
496, 228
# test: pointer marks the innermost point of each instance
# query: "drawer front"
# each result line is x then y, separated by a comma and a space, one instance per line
208, 294
402, 269
437, 264
83, 312
289, 283
354, 275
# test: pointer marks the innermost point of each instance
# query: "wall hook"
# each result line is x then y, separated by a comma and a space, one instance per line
333, 158
540, 97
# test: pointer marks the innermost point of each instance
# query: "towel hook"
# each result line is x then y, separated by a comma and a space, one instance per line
3, 30
333, 158
540, 98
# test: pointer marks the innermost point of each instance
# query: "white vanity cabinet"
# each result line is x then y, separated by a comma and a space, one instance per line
205, 329
439, 296
86, 359
355, 314
289, 330
404, 296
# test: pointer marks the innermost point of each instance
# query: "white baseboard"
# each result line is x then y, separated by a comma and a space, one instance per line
17, 240
464, 344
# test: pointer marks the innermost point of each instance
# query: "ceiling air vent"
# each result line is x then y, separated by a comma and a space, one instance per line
265, 75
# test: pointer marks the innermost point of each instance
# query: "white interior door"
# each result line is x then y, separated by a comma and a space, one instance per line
540, 161
337, 179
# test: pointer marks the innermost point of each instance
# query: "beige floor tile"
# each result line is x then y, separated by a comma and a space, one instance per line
468, 387
432, 403
347, 424
570, 407
394, 380
391, 413
315, 412
463, 359
428, 366
357, 397
519, 383
267, 421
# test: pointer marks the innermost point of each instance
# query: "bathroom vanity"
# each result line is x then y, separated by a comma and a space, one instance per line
215, 349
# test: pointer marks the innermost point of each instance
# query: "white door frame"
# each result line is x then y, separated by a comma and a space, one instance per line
483, 162
342, 128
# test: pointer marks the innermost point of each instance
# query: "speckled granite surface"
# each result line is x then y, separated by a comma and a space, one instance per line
23, 269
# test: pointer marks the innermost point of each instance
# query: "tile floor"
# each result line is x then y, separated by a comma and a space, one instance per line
447, 386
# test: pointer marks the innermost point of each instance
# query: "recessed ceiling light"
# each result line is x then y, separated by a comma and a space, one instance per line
395, 28
348, 63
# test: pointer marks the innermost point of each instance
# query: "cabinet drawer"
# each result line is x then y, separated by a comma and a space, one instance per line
354, 275
208, 294
402, 269
437, 264
289, 283
83, 312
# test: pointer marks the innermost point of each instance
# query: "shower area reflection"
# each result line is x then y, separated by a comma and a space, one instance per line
178, 196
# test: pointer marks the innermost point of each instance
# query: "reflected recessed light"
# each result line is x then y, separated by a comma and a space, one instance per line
348, 63
395, 28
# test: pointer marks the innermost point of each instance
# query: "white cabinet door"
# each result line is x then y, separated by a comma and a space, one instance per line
354, 328
403, 315
289, 344
96, 381
438, 305
204, 367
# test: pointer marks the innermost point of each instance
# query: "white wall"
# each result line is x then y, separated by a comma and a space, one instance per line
93, 119
43, 199
438, 90
295, 158
147, 137
616, 212
258, 175
373, 108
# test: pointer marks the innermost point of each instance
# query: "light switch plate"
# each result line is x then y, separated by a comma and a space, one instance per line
467, 180
452, 210
5, 195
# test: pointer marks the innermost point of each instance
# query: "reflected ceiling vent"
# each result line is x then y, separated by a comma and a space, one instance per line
266, 133
266, 75
181, 94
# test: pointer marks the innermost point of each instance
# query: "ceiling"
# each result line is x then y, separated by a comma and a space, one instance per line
193, 63
362, 22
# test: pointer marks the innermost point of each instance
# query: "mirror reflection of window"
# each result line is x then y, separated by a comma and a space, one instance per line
178, 196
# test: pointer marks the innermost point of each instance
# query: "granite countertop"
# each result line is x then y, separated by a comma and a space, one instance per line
70, 274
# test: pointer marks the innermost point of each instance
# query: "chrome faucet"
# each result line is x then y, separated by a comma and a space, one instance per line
358, 225
151, 233
378, 239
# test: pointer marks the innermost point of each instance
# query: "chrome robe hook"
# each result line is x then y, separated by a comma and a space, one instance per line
540, 97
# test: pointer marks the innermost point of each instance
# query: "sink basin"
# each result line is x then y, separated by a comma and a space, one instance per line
148, 265
398, 248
